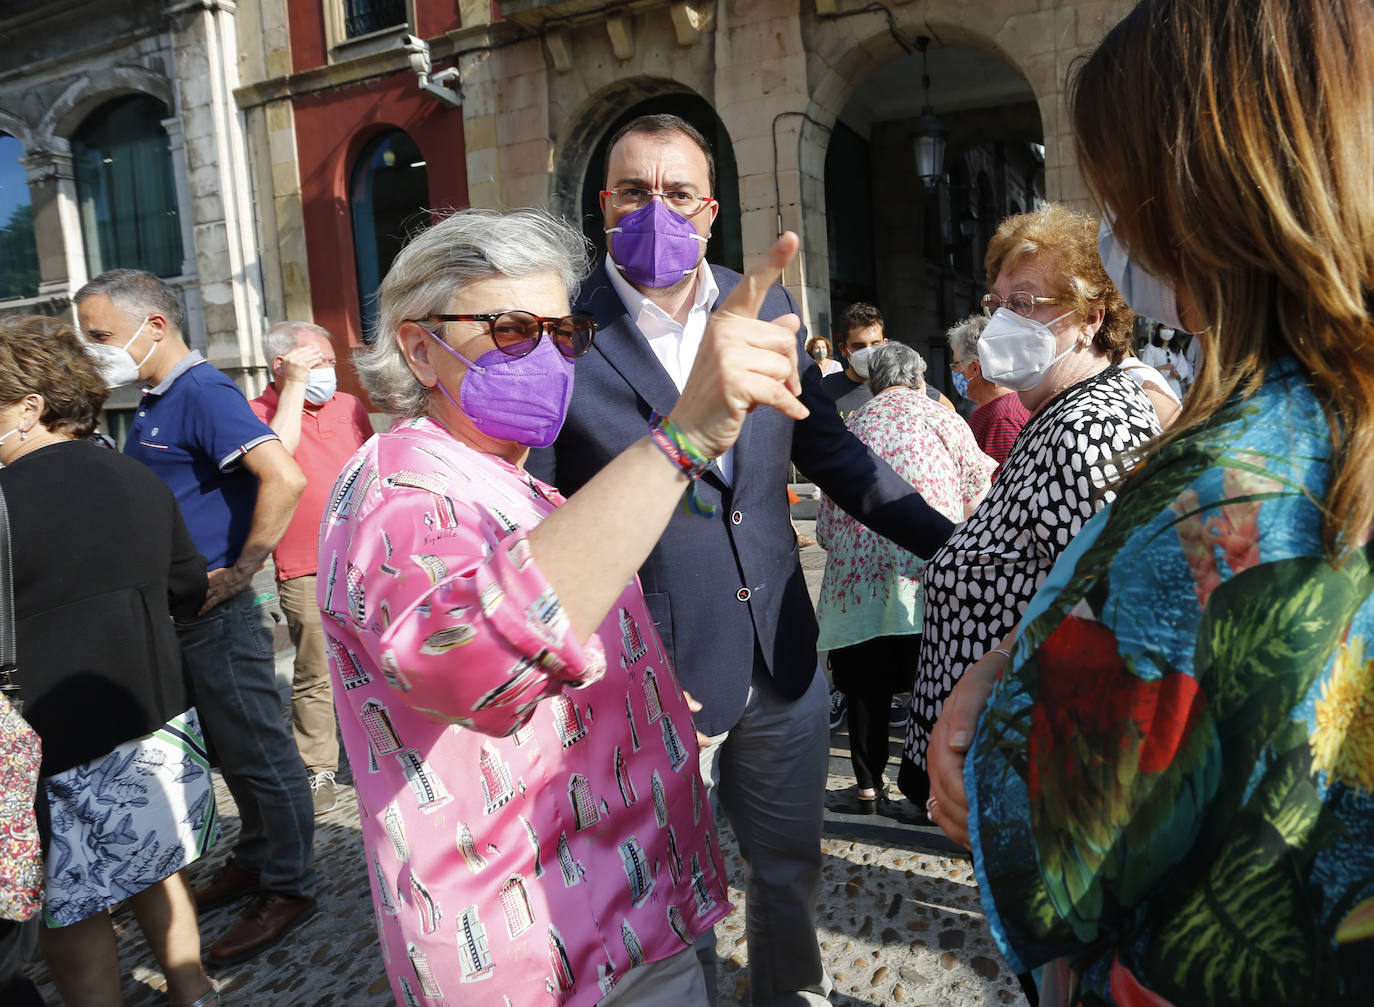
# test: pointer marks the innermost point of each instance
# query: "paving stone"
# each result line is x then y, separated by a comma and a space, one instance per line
951, 939
985, 967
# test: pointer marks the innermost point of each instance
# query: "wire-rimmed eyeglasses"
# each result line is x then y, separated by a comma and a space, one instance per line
1022, 302
634, 197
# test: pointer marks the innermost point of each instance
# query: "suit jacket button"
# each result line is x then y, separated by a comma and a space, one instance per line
742, 594
736, 517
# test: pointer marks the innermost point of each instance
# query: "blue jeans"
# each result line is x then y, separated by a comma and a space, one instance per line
230, 666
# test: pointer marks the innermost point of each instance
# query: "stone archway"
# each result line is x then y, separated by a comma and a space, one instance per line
16, 127
925, 274
89, 91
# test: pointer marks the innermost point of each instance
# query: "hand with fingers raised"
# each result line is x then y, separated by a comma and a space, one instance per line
744, 361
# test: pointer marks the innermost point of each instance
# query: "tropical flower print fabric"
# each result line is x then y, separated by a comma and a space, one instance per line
124, 822
1172, 788
531, 806
872, 586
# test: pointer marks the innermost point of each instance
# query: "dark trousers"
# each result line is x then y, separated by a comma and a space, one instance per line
870, 674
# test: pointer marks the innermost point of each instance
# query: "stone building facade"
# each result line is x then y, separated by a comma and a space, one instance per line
121, 117
771, 82
302, 149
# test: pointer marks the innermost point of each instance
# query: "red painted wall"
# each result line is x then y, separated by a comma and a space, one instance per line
332, 127
433, 18
306, 19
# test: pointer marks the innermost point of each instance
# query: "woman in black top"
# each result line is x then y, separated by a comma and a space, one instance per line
102, 560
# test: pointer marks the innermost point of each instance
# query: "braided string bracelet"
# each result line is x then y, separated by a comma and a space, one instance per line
682, 453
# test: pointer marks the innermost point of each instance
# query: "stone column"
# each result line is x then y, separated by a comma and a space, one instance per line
505, 121
203, 35
265, 53
56, 219
761, 72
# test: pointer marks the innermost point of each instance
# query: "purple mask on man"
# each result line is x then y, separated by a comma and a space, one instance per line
521, 399
655, 247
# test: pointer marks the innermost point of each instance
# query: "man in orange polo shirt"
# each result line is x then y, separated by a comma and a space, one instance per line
321, 427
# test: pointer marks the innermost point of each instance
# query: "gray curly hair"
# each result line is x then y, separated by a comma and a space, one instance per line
963, 337
466, 245
895, 363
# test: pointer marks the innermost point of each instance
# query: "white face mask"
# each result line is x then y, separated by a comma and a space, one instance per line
1017, 352
858, 361
321, 385
5, 437
1144, 293
115, 364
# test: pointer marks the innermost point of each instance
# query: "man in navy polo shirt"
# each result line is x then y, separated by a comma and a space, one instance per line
237, 488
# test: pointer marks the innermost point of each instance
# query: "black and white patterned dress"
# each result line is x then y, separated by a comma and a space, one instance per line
1057, 477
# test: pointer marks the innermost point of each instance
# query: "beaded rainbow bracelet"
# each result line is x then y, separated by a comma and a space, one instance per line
682, 453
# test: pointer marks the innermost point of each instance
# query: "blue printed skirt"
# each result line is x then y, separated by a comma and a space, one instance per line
127, 820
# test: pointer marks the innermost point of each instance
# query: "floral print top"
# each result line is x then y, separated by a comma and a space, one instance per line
872, 586
1184, 737
531, 808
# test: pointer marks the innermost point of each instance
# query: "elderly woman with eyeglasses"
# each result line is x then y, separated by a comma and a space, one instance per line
525, 760
1057, 329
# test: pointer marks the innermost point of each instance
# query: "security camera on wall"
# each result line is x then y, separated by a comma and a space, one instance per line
417, 50
444, 85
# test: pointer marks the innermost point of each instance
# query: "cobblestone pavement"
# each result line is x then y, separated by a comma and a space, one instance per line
898, 919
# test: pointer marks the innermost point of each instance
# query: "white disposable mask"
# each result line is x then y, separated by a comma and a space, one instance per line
858, 361
321, 385
1017, 352
115, 364
5, 437
1143, 292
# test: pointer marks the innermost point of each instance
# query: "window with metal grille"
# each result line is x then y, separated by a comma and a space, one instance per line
362, 17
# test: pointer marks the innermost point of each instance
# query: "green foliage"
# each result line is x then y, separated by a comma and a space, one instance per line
1265, 636
1243, 934
18, 255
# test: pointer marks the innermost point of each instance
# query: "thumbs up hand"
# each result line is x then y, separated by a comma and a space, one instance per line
743, 362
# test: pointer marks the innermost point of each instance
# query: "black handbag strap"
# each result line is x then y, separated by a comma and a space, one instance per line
8, 655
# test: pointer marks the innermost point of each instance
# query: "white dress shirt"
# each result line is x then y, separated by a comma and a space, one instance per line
674, 345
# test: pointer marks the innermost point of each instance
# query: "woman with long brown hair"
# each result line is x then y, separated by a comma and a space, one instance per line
1183, 730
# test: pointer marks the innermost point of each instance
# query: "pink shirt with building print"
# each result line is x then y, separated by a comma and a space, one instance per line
531, 807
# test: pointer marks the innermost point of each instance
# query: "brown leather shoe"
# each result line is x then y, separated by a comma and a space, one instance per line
267, 922
229, 883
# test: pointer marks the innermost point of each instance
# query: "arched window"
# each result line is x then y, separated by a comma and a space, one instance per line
389, 196
18, 253
124, 188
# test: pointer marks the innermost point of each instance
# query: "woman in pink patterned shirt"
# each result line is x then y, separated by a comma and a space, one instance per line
525, 760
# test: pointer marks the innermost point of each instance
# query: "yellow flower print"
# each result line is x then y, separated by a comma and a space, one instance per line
1343, 741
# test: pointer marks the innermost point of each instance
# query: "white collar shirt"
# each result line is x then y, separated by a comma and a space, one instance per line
674, 345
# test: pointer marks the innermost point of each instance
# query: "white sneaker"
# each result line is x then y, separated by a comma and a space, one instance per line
323, 791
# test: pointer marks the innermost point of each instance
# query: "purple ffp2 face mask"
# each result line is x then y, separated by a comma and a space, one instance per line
521, 399
655, 247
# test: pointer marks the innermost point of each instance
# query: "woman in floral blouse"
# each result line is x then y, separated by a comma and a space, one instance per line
1170, 792
870, 606
532, 812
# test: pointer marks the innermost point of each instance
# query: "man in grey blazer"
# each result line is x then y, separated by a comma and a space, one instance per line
726, 591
